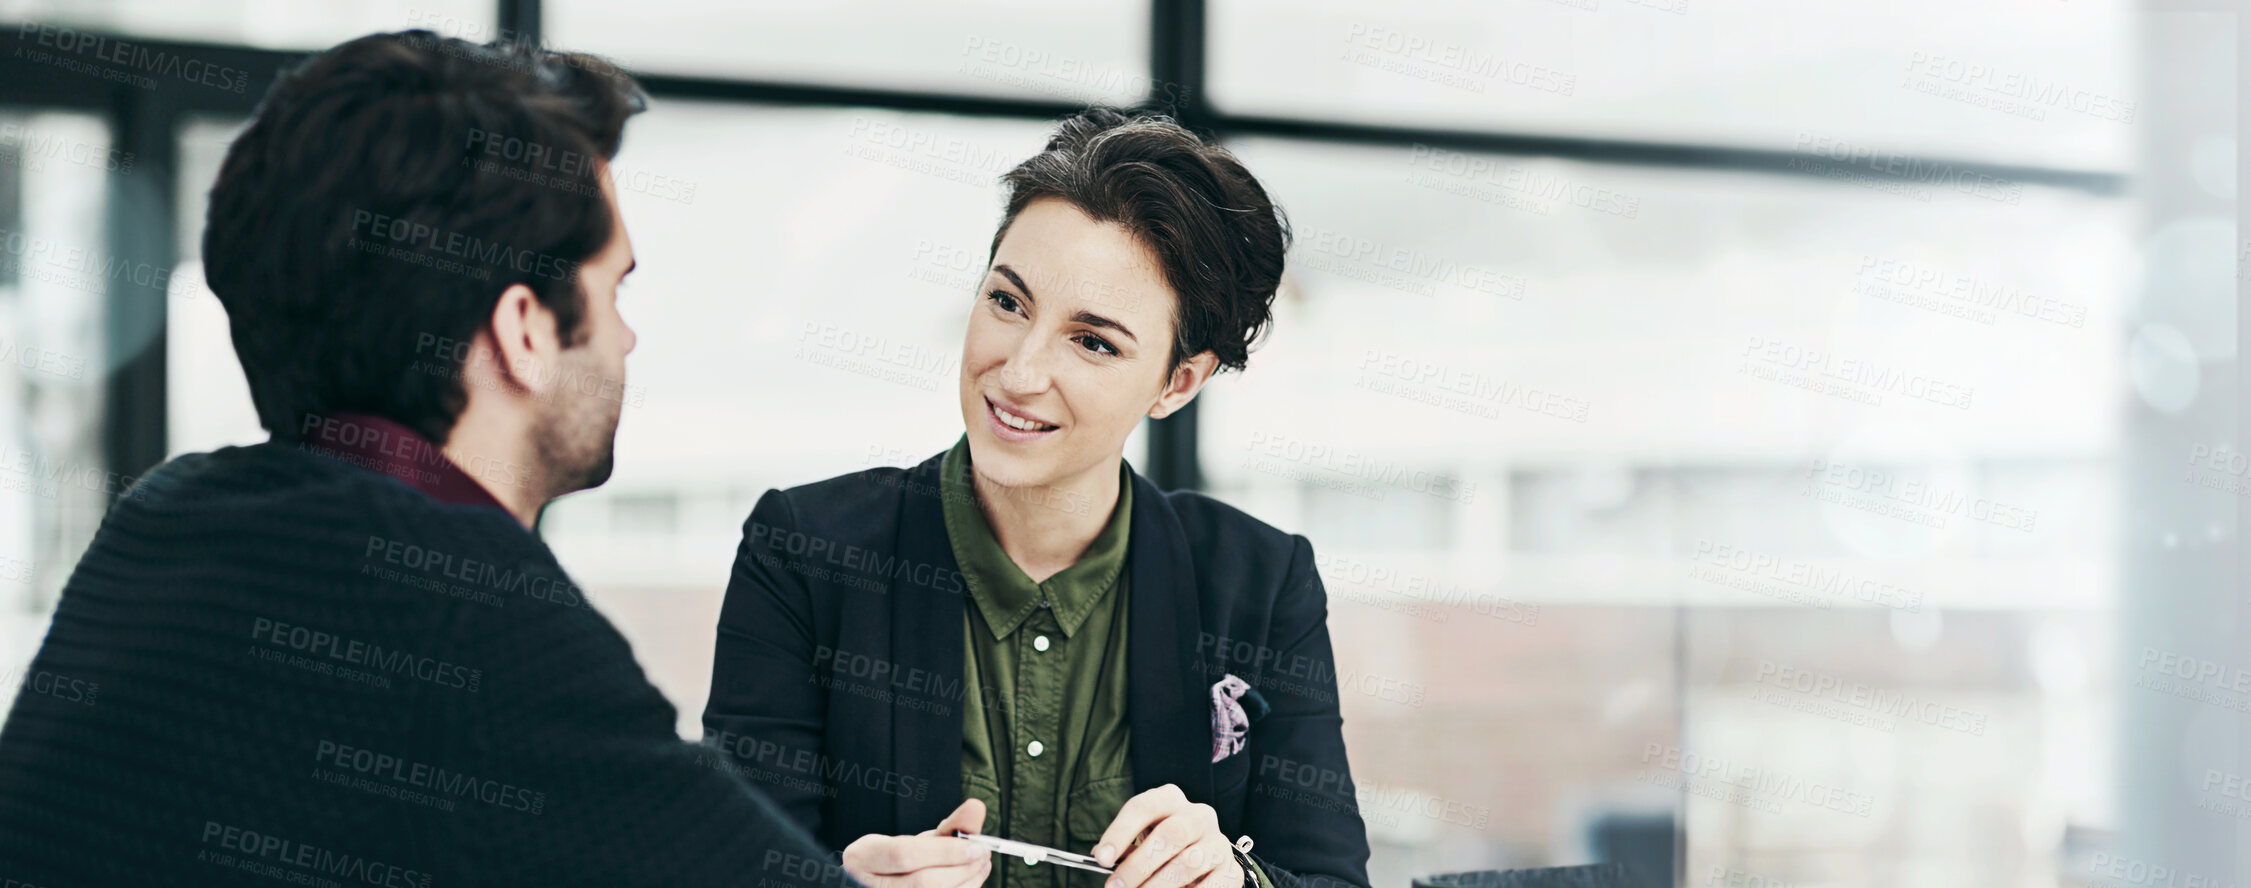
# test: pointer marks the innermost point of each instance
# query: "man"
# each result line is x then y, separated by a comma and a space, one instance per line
341, 657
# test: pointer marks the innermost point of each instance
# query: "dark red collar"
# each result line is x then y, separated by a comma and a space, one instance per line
378, 444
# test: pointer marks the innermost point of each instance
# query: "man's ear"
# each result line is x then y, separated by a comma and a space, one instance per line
524, 341
1187, 379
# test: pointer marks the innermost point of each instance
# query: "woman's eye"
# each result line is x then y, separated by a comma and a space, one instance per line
1096, 344
1004, 299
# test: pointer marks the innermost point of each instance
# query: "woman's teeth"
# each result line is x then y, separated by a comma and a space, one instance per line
1017, 422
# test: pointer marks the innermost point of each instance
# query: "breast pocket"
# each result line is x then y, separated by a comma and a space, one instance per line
975, 786
1230, 773
1093, 806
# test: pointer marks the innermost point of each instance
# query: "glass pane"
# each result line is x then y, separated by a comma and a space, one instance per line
1528, 410
210, 400
1084, 53
274, 24
56, 173
2051, 87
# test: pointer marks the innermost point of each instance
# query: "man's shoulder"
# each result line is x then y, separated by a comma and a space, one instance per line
247, 509
276, 479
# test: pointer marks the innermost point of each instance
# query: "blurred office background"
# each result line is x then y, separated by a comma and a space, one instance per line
1769, 443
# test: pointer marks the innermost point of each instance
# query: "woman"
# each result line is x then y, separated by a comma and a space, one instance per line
1023, 625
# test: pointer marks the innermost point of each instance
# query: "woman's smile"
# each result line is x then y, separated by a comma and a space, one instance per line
1012, 424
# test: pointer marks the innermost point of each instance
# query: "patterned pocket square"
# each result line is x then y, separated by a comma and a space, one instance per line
1234, 704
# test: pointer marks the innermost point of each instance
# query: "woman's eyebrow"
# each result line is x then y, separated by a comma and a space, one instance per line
1019, 282
1094, 320
1084, 317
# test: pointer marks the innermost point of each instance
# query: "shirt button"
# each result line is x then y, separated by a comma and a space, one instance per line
1035, 749
1040, 644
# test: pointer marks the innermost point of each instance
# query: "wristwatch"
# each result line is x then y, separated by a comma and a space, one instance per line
1243, 857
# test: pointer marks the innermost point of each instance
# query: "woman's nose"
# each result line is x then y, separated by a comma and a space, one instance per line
1025, 371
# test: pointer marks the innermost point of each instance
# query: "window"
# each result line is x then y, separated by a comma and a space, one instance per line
298, 24
58, 169
1078, 53
1737, 437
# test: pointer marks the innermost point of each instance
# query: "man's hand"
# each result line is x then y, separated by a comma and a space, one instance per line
932, 859
1162, 840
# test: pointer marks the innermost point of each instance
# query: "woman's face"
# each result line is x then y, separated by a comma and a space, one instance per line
1068, 348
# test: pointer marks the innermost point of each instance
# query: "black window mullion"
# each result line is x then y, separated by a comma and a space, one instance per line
140, 231
1176, 77
520, 20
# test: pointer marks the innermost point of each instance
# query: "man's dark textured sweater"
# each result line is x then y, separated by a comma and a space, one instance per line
273, 667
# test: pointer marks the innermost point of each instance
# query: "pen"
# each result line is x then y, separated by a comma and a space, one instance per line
1035, 853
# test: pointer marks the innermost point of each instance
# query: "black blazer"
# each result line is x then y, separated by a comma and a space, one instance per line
837, 684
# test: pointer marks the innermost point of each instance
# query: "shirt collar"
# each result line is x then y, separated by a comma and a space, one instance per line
382, 445
1005, 596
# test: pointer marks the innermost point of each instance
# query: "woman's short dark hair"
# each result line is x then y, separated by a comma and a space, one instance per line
1215, 233
365, 224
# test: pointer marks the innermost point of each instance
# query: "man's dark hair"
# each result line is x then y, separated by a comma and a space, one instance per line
1215, 233
386, 193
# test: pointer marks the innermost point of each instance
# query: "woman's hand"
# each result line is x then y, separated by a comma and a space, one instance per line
1166, 841
933, 859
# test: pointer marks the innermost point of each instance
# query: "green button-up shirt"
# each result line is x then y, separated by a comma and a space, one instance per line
1049, 751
